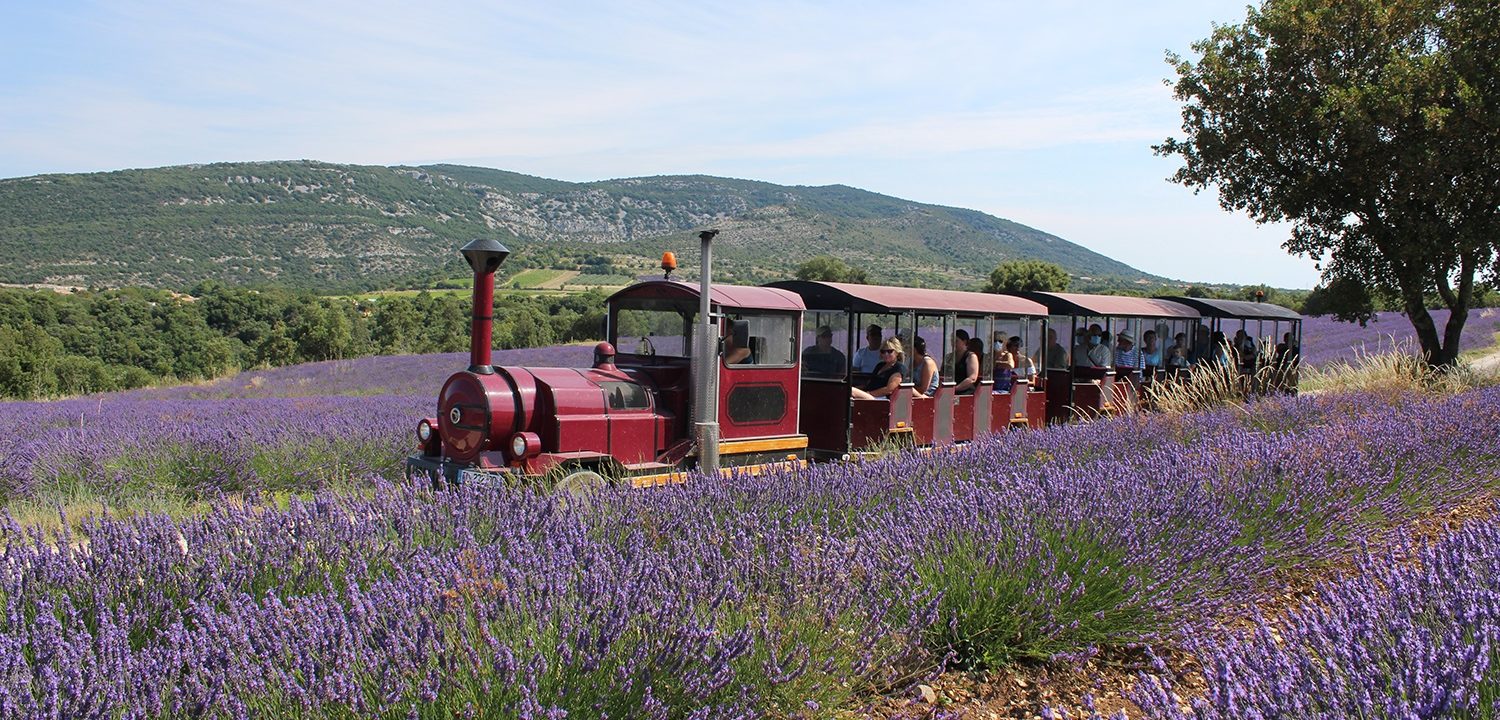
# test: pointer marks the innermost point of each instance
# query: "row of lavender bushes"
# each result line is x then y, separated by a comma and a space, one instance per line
1412, 633
790, 594
1326, 341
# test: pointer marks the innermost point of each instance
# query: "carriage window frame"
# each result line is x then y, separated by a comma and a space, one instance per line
792, 337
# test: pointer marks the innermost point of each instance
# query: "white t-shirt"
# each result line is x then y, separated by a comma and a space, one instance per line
866, 359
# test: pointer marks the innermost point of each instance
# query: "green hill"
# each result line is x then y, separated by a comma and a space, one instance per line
328, 227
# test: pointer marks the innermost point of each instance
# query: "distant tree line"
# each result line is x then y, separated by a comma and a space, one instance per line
55, 345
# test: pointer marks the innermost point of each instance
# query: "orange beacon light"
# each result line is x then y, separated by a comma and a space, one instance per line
668, 263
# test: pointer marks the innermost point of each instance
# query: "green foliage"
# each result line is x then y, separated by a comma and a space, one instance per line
1372, 127
1344, 298
827, 268
1027, 276
55, 345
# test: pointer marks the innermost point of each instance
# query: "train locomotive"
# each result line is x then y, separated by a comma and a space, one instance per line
680, 358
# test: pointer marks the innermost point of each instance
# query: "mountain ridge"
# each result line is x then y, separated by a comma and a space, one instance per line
314, 225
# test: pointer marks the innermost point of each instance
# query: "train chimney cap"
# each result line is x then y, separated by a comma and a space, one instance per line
485, 255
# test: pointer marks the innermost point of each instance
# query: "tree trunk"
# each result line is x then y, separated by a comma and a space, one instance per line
1441, 352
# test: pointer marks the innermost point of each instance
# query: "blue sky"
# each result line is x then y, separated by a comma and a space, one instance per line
1042, 113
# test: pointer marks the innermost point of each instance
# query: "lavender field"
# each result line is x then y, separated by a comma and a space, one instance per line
300, 428
799, 594
1326, 340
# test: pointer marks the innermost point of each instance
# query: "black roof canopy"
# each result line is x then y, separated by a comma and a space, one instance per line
1237, 309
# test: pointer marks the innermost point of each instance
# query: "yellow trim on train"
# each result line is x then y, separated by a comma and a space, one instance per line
739, 447
677, 477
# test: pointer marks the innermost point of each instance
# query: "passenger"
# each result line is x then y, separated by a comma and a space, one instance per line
1005, 366
1057, 355
965, 364
1219, 354
1179, 343
1099, 354
823, 359
1286, 350
1177, 361
925, 368
955, 357
737, 346
1244, 348
888, 373
1150, 351
1126, 356
1081, 347
867, 357
1025, 368
1203, 345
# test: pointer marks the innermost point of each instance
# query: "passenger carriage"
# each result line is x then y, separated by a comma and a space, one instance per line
837, 426
1077, 383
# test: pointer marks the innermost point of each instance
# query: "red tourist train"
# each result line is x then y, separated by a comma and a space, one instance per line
778, 367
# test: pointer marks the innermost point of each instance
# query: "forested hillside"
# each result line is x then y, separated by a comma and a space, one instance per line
314, 225
55, 344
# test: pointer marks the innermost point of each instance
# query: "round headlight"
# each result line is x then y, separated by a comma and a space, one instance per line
518, 446
424, 431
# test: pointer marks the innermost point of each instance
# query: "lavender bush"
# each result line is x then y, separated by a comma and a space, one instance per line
790, 593
1410, 635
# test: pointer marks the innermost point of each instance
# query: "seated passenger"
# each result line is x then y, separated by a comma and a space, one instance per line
1005, 365
1219, 352
823, 359
1177, 360
925, 368
1025, 369
888, 374
965, 363
1057, 355
867, 357
1150, 350
1081, 340
1126, 356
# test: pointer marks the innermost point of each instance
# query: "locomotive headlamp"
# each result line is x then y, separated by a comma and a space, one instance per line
424, 430
525, 445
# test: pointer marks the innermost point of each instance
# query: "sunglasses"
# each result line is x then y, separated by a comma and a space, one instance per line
887, 350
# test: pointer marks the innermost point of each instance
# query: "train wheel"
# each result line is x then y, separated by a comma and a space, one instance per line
579, 487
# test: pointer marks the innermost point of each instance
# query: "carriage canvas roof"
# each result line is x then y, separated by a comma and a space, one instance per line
1110, 305
744, 297
884, 299
1238, 309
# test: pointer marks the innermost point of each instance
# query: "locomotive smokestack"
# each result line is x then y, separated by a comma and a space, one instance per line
485, 256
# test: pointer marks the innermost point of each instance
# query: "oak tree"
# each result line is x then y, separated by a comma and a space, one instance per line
1373, 126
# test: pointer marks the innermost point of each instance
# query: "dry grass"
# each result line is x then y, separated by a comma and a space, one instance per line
1392, 369
1213, 384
